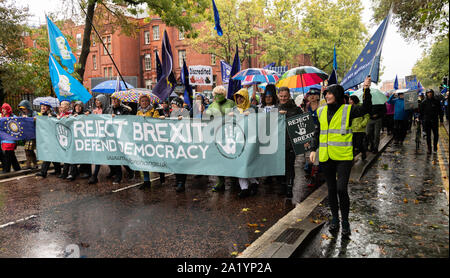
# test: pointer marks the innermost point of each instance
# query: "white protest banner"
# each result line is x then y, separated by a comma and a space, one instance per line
200, 75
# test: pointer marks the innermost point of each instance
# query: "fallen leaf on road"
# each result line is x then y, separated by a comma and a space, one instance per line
247, 245
371, 222
264, 220
326, 237
416, 202
383, 227
405, 200
245, 209
412, 175
298, 220
417, 237
257, 231
252, 225
235, 253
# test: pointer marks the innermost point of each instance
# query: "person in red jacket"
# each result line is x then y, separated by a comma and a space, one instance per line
8, 146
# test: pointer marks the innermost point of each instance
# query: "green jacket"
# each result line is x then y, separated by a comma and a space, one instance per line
359, 124
219, 109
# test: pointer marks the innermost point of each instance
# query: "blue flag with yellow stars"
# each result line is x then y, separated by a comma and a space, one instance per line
17, 128
368, 62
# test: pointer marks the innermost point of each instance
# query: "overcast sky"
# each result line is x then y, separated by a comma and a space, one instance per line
398, 55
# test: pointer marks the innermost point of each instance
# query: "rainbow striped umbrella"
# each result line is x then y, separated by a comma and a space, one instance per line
132, 95
257, 75
301, 77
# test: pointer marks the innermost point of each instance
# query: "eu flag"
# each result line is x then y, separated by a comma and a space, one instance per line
217, 20
333, 78
17, 128
65, 86
396, 83
368, 62
225, 70
158, 67
60, 47
234, 85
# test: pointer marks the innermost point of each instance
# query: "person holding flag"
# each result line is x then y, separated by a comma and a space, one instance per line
334, 139
9, 146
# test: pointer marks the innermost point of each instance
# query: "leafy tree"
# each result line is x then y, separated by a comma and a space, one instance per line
326, 23
240, 24
416, 19
281, 38
433, 65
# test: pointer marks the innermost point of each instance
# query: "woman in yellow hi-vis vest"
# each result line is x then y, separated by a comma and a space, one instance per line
333, 138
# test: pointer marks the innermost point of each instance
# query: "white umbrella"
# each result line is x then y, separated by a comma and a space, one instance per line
54, 102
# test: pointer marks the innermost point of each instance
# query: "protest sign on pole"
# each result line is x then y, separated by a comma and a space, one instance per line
240, 146
410, 98
200, 75
411, 82
301, 130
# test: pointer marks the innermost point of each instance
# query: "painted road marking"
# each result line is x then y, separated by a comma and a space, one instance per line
17, 178
18, 221
134, 185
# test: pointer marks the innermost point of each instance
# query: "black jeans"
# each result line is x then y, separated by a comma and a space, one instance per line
10, 160
400, 127
289, 166
429, 126
358, 143
337, 188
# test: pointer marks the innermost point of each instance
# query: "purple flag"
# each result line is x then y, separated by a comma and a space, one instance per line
163, 87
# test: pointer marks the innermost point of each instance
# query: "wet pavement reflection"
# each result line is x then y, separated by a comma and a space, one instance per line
133, 223
399, 209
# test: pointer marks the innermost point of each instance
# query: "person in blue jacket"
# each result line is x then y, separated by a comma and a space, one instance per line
400, 117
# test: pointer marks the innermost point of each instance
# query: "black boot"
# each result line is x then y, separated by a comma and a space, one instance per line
44, 169
253, 189
244, 193
93, 180
334, 226
346, 232
145, 185
289, 187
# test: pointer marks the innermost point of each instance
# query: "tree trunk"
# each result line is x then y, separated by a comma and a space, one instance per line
86, 39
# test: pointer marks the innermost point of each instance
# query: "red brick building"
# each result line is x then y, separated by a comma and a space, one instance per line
135, 56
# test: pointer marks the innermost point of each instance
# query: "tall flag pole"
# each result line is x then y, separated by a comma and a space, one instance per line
368, 62
333, 79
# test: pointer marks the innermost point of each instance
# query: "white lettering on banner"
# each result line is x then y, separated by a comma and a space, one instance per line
97, 128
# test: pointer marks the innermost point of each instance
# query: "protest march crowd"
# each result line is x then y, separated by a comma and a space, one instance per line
364, 123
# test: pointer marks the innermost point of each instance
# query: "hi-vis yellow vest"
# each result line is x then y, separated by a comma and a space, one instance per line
336, 139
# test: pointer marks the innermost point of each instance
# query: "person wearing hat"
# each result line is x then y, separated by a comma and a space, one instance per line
334, 139
312, 169
430, 114
117, 108
178, 112
47, 110
30, 145
400, 117
249, 186
269, 99
359, 130
9, 146
146, 109
218, 108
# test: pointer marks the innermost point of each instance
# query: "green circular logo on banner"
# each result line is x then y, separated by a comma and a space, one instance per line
64, 136
230, 140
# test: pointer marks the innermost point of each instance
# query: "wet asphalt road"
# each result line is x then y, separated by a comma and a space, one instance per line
134, 223
398, 210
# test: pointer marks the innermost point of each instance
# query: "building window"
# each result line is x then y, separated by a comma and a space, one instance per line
155, 33
148, 61
148, 84
79, 42
181, 57
214, 81
107, 72
147, 37
107, 42
213, 59
94, 61
180, 35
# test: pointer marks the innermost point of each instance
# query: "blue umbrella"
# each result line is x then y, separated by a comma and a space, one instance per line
109, 87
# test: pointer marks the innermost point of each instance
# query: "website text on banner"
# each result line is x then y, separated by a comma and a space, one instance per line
238, 146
